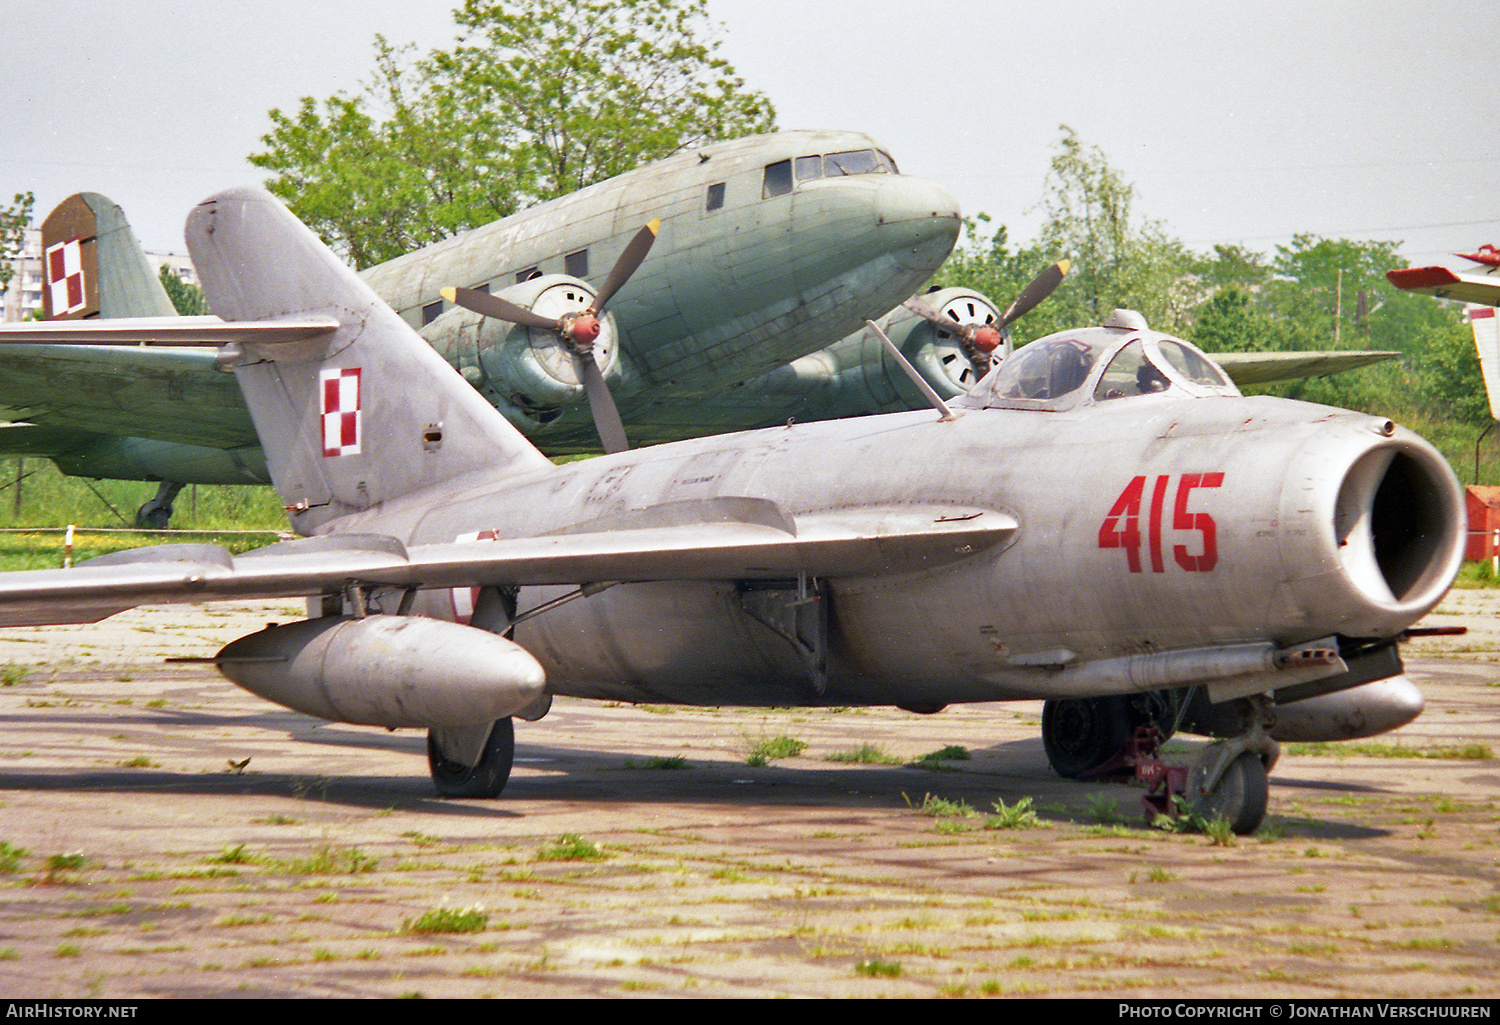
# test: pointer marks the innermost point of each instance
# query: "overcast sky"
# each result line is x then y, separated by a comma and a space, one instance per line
1237, 122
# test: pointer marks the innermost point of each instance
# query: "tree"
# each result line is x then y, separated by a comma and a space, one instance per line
14, 220
1116, 261
1447, 369
1228, 321
988, 264
187, 299
537, 99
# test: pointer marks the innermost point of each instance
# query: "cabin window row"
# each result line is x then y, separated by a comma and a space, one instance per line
574, 265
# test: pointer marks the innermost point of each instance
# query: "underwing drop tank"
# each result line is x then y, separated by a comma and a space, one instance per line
392, 671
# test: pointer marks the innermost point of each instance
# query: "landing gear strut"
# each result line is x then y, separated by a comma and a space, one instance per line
1088, 738
1229, 779
451, 773
157, 512
1240, 794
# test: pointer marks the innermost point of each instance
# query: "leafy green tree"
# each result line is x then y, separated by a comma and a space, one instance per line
538, 98
1117, 261
187, 299
1234, 266
13, 222
1318, 286
1229, 321
1447, 369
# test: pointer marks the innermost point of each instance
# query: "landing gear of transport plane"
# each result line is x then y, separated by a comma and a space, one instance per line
156, 514
488, 777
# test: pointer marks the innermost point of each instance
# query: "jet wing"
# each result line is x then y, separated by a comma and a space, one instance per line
165, 331
1264, 367
760, 543
1483, 289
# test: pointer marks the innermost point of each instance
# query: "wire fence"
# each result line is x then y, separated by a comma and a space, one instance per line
72, 533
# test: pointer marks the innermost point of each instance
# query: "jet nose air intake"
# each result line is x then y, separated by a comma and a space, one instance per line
1399, 526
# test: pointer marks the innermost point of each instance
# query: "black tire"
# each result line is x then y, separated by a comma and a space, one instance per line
488, 778
153, 517
1081, 734
1240, 796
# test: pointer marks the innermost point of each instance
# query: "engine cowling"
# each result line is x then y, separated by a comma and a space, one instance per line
939, 356
530, 369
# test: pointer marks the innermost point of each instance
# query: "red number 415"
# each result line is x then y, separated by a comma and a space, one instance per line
1122, 526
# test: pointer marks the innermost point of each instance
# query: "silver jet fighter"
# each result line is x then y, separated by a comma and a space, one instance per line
1103, 522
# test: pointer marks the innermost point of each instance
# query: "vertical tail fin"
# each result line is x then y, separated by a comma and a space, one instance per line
354, 418
93, 265
1487, 340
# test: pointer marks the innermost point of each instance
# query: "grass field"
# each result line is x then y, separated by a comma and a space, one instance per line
35, 513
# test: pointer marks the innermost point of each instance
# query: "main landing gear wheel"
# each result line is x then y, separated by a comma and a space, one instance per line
488, 778
1081, 734
156, 514
1240, 795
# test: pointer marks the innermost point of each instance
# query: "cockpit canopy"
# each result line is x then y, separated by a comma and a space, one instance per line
1095, 365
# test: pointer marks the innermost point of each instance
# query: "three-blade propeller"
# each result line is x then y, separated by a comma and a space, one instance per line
578, 330
980, 340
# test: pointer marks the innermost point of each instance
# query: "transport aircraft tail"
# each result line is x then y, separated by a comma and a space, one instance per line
363, 411
93, 265
1486, 327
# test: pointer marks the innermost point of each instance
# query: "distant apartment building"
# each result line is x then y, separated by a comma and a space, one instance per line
24, 293
182, 265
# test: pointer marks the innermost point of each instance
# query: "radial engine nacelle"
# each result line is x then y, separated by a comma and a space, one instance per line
942, 357
529, 369
391, 671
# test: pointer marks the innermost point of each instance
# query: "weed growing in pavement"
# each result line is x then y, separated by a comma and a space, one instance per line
1015, 816
768, 748
571, 847
441, 920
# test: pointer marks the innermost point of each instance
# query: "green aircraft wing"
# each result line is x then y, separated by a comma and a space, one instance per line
162, 394
1265, 367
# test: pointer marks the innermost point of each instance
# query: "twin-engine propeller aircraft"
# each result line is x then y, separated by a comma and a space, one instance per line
1102, 522
770, 248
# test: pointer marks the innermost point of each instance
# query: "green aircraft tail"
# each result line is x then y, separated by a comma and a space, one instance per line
93, 264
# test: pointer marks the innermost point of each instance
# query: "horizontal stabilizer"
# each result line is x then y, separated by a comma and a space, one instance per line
843, 543
167, 331
1483, 289
1264, 367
